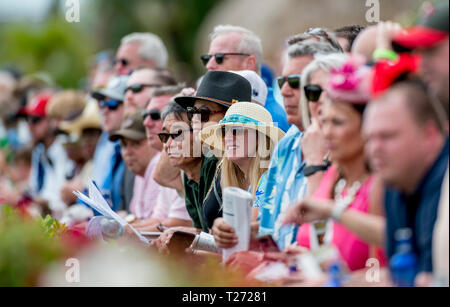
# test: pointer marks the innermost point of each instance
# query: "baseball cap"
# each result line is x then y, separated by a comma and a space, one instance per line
38, 105
115, 89
132, 128
430, 30
259, 87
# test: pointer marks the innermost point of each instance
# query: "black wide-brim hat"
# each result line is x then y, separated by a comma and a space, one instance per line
221, 87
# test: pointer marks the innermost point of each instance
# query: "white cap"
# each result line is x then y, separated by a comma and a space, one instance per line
259, 87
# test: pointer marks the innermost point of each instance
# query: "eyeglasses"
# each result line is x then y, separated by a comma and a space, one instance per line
111, 104
34, 119
312, 92
203, 111
235, 130
124, 62
154, 114
178, 136
220, 57
137, 88
292, 80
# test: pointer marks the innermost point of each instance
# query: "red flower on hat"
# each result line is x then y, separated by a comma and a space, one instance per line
387, 72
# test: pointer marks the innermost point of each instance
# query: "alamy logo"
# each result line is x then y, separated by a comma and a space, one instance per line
373, 271
73, 11
73, 273
373, 13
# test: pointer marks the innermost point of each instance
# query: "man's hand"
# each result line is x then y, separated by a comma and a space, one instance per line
224, 234
164, 239
308, 211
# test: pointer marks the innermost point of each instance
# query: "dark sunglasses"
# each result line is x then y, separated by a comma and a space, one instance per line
137, 88
235, 130
292, 80
220, 57
154, 115
124, 62
164, 136
34, 119
111, 104
203, 111
312, 92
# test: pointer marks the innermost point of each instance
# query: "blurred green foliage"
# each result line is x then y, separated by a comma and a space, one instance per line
65, 50
26, 248
56, 47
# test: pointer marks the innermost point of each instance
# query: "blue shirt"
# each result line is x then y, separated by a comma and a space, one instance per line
286, 185
276, 110
417, 211
108, 170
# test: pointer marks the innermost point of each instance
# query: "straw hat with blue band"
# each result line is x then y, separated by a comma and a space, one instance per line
243, 114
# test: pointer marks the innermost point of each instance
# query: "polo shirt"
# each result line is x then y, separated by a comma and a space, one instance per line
417, 211
196, 191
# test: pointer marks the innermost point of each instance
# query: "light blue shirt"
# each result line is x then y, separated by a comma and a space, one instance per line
286, 184
108, 170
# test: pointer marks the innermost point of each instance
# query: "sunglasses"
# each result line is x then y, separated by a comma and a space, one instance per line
111, 104
312, 92
124, 62
34, 119
178, 136
137, 88
292, 80
235, 130
154, 115
203, 111
220, 57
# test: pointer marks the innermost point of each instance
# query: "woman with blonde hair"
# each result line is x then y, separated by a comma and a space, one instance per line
246, 138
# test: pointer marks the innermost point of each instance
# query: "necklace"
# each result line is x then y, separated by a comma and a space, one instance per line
322, 231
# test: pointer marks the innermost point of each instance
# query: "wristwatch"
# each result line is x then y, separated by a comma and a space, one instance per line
309, 170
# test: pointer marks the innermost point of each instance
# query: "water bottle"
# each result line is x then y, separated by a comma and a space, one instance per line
334, 275
404, 262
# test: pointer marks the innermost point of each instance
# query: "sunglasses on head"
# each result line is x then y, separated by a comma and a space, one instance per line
203, 111
111, 104
154, 114
137, 88
178, 136
292, 80
220, 57
312, 92
34, 119
124, 62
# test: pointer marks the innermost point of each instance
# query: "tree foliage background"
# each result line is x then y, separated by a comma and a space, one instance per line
65, 50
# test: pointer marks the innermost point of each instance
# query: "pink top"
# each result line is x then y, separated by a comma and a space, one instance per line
353, 250
145, 192
151, 200
170, 205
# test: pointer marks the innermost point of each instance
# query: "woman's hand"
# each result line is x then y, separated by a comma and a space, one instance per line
308, 211
224, 234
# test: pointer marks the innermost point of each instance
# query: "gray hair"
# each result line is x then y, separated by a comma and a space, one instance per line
250, 43
310, 48
171, 90
322, 62
174, 108
151, 47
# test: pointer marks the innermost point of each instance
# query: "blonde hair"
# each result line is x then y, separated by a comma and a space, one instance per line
324, 62
66, 103
233, 176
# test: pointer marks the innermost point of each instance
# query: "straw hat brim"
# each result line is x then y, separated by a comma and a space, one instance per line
212, 135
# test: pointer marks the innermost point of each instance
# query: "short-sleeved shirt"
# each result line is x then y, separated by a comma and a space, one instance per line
196, 191
417, 211
285, 185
